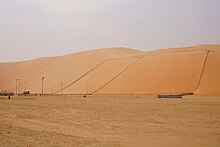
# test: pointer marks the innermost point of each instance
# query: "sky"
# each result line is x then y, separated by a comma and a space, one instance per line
40, 28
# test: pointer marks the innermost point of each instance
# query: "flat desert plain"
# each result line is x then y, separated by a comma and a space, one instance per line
109, 121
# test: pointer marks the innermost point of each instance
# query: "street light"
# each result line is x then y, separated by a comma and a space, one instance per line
16, 91
19, 86
51, 88
42, 85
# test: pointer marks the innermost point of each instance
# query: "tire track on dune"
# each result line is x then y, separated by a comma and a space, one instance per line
81, 77
203, 68
92, 69
9, 117
117, 75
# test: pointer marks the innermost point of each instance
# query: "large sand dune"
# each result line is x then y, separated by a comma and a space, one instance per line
120, 70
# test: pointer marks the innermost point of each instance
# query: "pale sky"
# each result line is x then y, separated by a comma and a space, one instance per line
39, 28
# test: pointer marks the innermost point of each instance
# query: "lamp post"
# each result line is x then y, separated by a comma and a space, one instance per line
51, 88
25, 86
22, 87
42, 85
16, 90
19, 86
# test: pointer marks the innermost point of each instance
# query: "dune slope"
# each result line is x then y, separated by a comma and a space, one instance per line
120, 70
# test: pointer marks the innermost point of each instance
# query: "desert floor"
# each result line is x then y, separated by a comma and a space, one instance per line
109, 121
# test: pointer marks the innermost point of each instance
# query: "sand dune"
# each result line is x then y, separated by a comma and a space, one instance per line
120, 70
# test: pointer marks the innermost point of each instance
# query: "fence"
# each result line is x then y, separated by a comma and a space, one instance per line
94, 95
124, 95
203, 96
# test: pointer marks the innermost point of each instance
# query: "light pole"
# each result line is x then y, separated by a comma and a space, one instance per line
22, 88
42, 85
25, 89
16, 91
51, 88
19, 86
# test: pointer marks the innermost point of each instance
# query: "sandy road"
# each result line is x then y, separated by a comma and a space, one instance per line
102, 121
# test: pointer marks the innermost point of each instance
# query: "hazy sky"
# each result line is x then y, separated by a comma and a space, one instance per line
37, 28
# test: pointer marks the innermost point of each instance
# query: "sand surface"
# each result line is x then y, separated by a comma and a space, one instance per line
120, 70
109, 121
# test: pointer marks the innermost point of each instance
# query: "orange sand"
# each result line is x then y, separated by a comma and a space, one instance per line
120, 70
109, 121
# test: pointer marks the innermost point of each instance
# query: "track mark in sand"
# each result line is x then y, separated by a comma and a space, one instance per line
36, 125
79, 78
9, 118
117, 75
66, 110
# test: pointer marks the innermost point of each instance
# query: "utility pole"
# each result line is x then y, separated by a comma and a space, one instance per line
22, 87
51, 88
19, 86
16, 91
42, 85
25, 86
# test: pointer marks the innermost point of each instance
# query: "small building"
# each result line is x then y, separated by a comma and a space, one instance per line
26, 92
169, 96
5, 93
